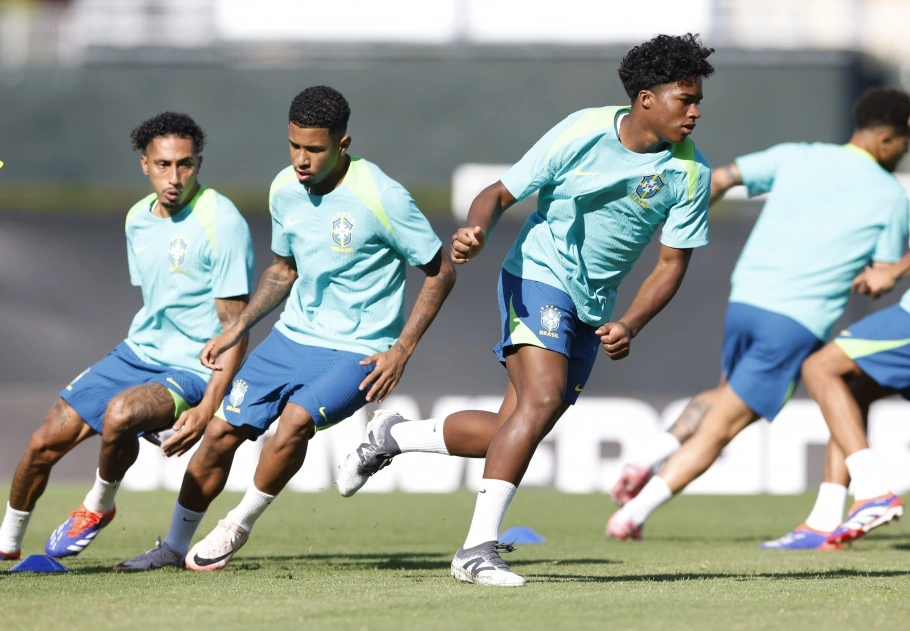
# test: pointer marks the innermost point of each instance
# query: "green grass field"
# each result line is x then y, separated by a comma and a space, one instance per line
381, 562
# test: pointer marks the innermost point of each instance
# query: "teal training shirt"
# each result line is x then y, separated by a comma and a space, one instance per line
183, 263
599, 204
351, 247
831, 210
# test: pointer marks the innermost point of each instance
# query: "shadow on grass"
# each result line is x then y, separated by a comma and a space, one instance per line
690, 576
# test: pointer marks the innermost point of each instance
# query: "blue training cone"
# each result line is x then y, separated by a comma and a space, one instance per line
520, 534
39, 563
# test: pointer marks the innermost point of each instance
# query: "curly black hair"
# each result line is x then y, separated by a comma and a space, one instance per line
167, 124
320, 106
883, 107
664, 59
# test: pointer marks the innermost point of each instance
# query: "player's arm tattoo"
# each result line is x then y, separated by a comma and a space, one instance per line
689, 420
229, 310
274, 286
723, 179
439, 282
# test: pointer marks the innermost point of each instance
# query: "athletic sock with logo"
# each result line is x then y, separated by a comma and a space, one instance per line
249, 509
424, 436
184, 523
100, 499
493, 498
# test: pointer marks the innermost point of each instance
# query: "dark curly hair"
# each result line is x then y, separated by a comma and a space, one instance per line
664, 59
883, 107
167, 124
320, 106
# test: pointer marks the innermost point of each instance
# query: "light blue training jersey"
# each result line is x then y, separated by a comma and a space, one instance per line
351, 247
831, 211
599, 204
183, 263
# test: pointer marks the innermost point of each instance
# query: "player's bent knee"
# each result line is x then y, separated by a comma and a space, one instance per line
42, 451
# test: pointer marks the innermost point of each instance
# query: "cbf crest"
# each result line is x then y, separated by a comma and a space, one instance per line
549, 320
176, 253
342, 234
238, 391
649, 186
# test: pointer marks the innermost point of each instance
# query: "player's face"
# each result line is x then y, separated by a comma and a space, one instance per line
172, 167
674, 109
893, 148
316, 154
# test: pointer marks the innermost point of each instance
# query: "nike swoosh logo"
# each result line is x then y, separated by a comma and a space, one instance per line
580, 172
176, 385
293, 222
140, 249
192, 521
578, 388
204, 562
322, 411
482, 491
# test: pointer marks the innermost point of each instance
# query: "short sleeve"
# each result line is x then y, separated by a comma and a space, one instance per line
135, 276
232, 268
759, 169
281, 244
891, 242
408, 230
539, 165
687, 222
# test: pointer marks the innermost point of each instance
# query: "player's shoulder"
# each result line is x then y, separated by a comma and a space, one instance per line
587, 123
689, 154
367, 180
285, 178
225, 211
136, 209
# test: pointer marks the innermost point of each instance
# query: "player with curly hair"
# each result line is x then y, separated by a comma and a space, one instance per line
606, 178
834, 210
190, 252
342, 235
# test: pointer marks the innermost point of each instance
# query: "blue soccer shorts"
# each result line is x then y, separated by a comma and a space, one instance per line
323, 381
90, 392
880, 345
536, 314
763, 352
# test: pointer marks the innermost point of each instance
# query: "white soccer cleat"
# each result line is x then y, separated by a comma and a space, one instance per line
214, 552
621, 527
162, 555
373, 454
482, 565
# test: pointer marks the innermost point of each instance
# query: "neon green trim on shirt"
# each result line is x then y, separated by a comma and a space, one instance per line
685, 152
586, 124
143, 204
859, 151
283, 179
360, 180
203, 208
519, 333
854, 348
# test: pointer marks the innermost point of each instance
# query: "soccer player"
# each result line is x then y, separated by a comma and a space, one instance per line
342, 233
607, 178
833, 210
190, 251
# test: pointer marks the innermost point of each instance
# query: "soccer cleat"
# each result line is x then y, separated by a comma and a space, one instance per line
370, 456
214, 552
802, 538
162, 555
10, 556
631, 481
620, 526
482, 565
76, 533
866, 515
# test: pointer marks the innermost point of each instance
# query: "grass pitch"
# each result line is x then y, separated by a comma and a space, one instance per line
376, 561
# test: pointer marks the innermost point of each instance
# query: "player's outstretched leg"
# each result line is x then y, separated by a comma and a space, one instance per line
374, 453
76, 533
162, 555
483, 565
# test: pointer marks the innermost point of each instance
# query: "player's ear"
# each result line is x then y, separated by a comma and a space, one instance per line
198, 163
144, 162
646, 99
344, 144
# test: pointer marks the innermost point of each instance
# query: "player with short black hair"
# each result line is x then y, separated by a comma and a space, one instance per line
606, 178
834, 210
342, 235
190, 252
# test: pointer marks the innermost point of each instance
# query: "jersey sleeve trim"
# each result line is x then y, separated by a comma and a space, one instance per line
203, 208
137, 208
281, 180
685, 153
359, 179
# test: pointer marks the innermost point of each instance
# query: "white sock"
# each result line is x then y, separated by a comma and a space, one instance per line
654, 495
658, 450
493, 499
425, 436
865, 477
101, 498
15, 522
184, 523
828, 512
250, 508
